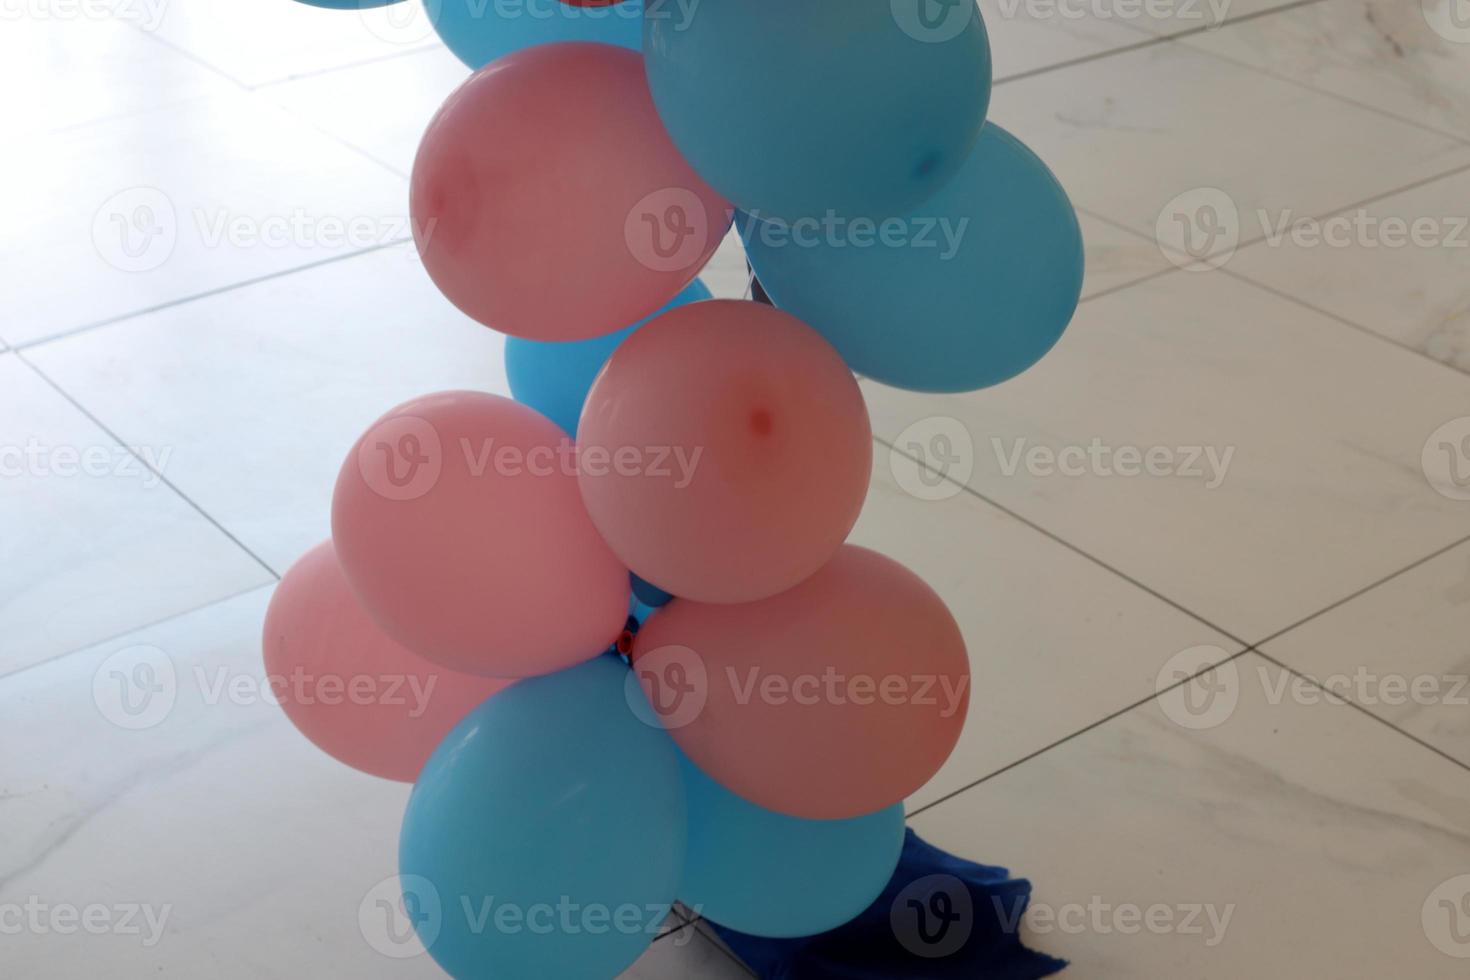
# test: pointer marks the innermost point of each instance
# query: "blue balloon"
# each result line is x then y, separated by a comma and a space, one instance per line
479, 31
969, 290
554, 378
793, 107
767, 874
545, 837
348, 4
650, 595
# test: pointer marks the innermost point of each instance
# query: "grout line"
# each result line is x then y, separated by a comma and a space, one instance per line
1459, 138
1360, 328
1081, 731
1362, 592
1333, 695
720, 946
1150, 40
1157, 274
254, 90
114, 637
363, 62
189, 55
1261, 239
149, 466
1265, 235
1083, 60
267, 277
1066, 544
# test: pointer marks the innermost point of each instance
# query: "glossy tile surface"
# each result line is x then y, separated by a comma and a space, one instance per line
93, 542
1266, 835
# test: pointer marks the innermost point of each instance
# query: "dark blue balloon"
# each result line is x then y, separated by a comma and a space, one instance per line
545, 836
554, 378
968, 290
794, 107
650, 595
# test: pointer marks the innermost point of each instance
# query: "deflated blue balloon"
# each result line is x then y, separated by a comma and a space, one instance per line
545, 836
968, 290
554, 378
767, 874
479, 31
795, 107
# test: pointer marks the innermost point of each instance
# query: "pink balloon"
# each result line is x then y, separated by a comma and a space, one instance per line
725, 451
835, 699
459, 526
361, 697
548, 202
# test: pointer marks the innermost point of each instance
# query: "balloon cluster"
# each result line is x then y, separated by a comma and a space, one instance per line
611, 630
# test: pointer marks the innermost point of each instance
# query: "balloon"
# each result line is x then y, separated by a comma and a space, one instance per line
795, 107
649, 594
548, 202
724, 451
479, 31
547, 832
837, 698
553, 378
361, 697
968, 291
459, 526
349, 4
766, 874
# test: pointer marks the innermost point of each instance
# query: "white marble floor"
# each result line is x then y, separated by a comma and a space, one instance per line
1222, 711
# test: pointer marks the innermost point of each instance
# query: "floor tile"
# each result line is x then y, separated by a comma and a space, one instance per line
91, 543
1381, 53
382, 107
1328, 840
1056, 642
209, 811
1147, 137
129, 213
1286, 450
689, 952
92, 69
1030, 35
1115, 257
1190, 17
727, 275
1399, 267
268, 40
1399, 651
262, 390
